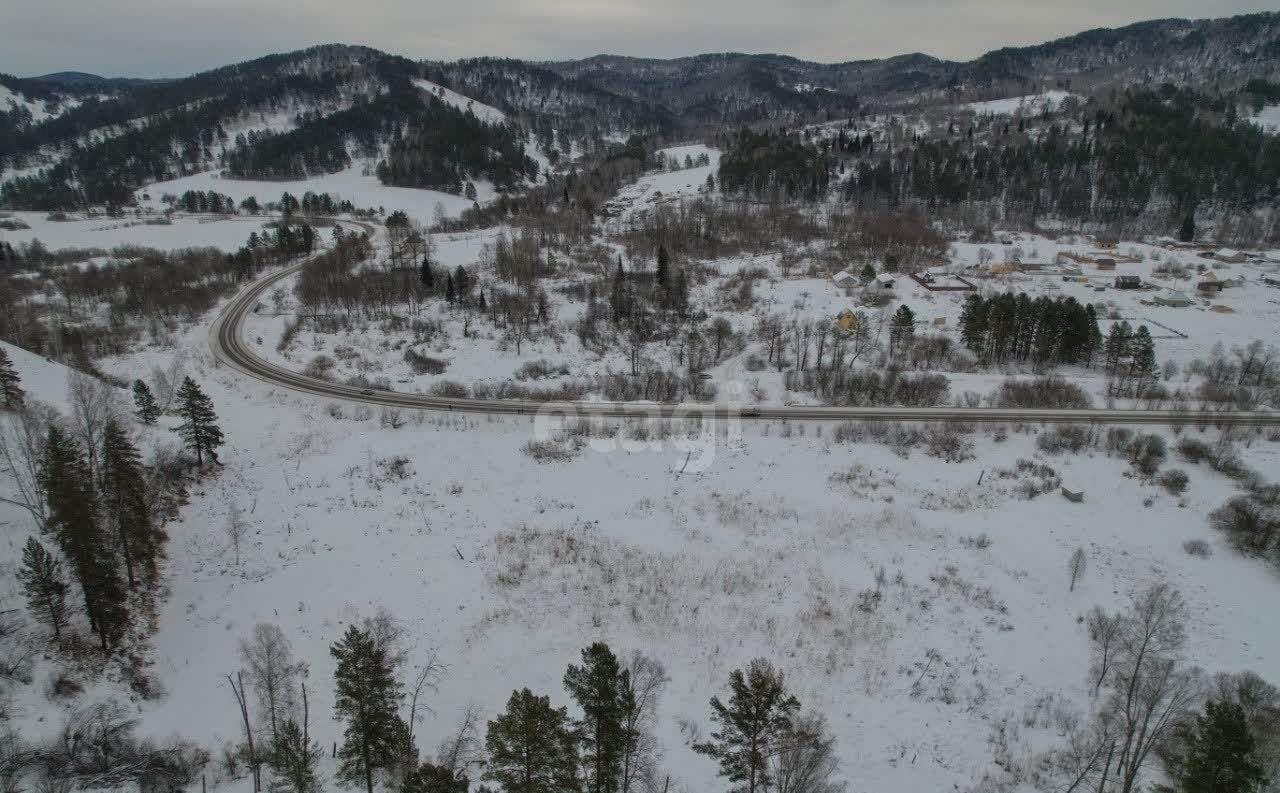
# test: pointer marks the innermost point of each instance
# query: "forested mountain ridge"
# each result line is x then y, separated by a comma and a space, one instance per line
294, 115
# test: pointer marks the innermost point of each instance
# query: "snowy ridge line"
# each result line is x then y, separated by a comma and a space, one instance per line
229, 347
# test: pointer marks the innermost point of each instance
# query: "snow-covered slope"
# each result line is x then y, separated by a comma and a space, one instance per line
490, 115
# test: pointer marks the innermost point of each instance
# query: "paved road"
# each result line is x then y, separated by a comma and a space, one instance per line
230, 347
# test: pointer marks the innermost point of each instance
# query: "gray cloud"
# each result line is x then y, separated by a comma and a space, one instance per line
153, 38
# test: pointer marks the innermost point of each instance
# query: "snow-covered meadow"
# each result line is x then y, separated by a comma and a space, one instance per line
849, 565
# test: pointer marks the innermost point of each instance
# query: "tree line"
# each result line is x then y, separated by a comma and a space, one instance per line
761, 739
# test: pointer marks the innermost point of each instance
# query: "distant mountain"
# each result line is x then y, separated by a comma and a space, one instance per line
80, 80
292, 115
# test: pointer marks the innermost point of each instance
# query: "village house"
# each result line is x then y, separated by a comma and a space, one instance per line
1128, 282
845, 279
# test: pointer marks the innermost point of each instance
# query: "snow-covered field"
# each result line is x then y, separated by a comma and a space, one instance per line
356, 184
227, 233
1023, 105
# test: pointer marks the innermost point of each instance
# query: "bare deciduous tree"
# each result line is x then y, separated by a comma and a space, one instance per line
648, 678
1104, 632
1075, 566
93, 404
236, 530
273, 673
807, 761
427, 678
463, 748
22, 441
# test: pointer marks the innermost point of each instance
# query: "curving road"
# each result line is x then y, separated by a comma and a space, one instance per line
230, 348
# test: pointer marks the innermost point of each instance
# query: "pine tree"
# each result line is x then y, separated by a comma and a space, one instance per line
868, 273
147, 410
663, 264
597, 687
618, 294
448, 288
1187, 233
10, 381
901, 330
1116, 348
124, 496
426, 274
73, 521
368, 698
431, 778
462, 283
199, 428
1219, 755
294, 758
1143, 361
531, 748
759, 715
44, 585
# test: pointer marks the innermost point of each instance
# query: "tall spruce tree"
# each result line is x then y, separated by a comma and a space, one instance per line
368, 699
901, 330
199, 428
10, 381
531, 747
44, 585
73, 521
144, 403
126, 507
426, 275
1142, 367
1220, 753
597, 687
751, 726
664, 265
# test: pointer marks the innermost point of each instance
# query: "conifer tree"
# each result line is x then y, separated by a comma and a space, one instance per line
1143, 361
147, 410
124, 497
44, 585
597, 687
531, 748
73, 521
751, 727
1116, 348
10, 381
461, 283
199, 428
426, 274
901, 330
368, 698
293, 760
431, 778
663, 265
449, 293
1219, 755
868, 272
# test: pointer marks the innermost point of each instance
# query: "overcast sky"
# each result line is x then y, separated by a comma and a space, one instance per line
161, 38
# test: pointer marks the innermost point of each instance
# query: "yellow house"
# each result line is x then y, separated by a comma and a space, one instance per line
847, 321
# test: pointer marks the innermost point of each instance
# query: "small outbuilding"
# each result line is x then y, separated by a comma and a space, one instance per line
1172, 300
1105, 263
1230, 256
1128, 282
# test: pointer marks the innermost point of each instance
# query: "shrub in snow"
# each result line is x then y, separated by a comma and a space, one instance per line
549, 451
1174, 480
1042, 392
1146, 453
449, 389
1198, 548
1068, 438
424, 364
